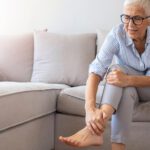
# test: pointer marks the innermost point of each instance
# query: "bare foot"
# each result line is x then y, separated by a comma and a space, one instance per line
83, 138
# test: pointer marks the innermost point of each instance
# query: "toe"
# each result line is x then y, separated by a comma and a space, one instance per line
60, 138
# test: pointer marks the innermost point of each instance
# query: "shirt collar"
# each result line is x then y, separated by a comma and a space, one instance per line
129, 41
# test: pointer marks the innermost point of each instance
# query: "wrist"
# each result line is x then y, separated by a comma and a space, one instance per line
129, 80
89, 107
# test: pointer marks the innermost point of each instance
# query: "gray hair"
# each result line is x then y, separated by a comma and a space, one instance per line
144, 3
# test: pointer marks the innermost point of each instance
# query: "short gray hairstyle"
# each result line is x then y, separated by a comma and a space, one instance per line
144, 3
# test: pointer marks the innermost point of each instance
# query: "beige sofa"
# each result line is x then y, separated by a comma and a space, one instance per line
42, 89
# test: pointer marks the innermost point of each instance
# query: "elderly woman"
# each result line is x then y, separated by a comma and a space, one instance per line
129, 42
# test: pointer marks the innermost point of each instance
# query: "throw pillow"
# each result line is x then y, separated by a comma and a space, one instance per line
62, 58
101, 35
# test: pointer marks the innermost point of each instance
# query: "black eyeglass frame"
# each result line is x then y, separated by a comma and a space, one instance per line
132, 18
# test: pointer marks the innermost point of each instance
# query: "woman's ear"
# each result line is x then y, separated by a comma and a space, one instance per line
148, 22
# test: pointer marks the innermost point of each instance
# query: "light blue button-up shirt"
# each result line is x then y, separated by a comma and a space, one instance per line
120, 45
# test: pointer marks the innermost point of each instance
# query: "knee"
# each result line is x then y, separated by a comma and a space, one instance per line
118, 66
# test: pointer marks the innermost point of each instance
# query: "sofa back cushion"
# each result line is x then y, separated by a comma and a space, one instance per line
16, 57
101, 35
60, 58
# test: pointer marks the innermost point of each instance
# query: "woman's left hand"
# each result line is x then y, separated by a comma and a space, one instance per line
118, 78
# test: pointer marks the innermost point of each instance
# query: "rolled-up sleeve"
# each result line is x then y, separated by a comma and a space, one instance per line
148, 72
104, 58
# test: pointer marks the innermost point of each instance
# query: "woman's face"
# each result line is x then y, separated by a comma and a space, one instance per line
136, 32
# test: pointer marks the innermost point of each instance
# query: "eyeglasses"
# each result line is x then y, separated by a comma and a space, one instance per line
137, 20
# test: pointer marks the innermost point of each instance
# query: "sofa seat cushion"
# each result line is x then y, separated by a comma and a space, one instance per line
18, 107
72, 100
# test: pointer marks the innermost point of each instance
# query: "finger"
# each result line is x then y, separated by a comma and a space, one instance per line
89, 126
112, 82
118, 72
115, 72
100, 127
100, 122
112, 76
95, 128
115, 83
117, 69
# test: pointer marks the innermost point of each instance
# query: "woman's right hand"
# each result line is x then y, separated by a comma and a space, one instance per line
94, 121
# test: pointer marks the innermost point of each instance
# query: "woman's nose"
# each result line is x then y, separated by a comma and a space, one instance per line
131, 23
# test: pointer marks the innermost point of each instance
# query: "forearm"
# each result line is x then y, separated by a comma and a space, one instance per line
139, 81
91, 90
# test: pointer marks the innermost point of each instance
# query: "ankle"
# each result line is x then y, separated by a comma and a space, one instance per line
107, 110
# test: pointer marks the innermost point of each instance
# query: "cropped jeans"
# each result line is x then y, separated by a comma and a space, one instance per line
123, 100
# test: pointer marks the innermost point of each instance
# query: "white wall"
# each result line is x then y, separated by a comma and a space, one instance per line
63, 16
